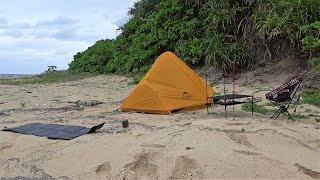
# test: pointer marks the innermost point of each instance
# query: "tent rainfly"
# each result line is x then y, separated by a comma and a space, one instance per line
168, 86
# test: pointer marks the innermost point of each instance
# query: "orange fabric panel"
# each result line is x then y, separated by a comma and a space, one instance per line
144, 98
173, 86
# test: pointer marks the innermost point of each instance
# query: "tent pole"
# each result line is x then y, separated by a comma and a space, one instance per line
207, 94
233, 74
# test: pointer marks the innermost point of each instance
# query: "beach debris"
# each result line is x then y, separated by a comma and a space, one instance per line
125, 124
86, 103
187, 124
317, 126
89, 103
122, 131
189, 148
4, 114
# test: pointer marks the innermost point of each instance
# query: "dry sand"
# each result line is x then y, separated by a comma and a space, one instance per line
186, 145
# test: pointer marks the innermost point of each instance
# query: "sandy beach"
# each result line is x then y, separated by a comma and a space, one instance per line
184, 145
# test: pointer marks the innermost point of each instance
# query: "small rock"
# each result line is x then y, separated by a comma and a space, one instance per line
188, 148
305, 126
125, 124
317, 126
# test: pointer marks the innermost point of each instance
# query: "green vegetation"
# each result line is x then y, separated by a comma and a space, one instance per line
211, 33
94, 59
311, 43
298, 116
47, 77
312, 97
256, 108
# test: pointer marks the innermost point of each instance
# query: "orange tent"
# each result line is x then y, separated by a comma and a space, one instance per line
169, 85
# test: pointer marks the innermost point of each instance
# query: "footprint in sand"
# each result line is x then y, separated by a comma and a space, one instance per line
307, 171
5, 145
240, 139
157, 146
11, 164
142, 168
104, 169
186, 168
237, 124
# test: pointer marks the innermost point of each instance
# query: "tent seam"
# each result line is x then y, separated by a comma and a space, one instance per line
157, 95
175, 60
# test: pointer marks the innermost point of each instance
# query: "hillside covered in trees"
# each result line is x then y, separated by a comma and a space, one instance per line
208, 33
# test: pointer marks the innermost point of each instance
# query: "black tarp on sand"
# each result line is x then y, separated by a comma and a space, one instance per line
54, 131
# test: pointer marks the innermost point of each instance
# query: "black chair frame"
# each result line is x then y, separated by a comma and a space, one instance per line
284, 105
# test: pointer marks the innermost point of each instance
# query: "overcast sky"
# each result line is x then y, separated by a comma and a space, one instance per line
38, 33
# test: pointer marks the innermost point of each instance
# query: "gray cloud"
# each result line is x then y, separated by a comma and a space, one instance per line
61, 28
65, 34
57, 22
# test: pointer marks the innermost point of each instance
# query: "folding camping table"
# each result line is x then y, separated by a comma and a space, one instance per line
229, 100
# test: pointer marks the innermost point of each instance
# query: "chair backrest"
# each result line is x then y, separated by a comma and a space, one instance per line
286, 91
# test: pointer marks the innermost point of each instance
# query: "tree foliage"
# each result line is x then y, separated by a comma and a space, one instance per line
201, 32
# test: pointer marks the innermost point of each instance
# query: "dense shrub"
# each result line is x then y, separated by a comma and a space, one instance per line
202, 32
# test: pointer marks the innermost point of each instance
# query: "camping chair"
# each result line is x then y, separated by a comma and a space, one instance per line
283, 95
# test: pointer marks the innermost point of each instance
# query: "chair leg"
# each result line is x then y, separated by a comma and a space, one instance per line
290, 115
276, 113
252, 105
225, 110
281, 111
